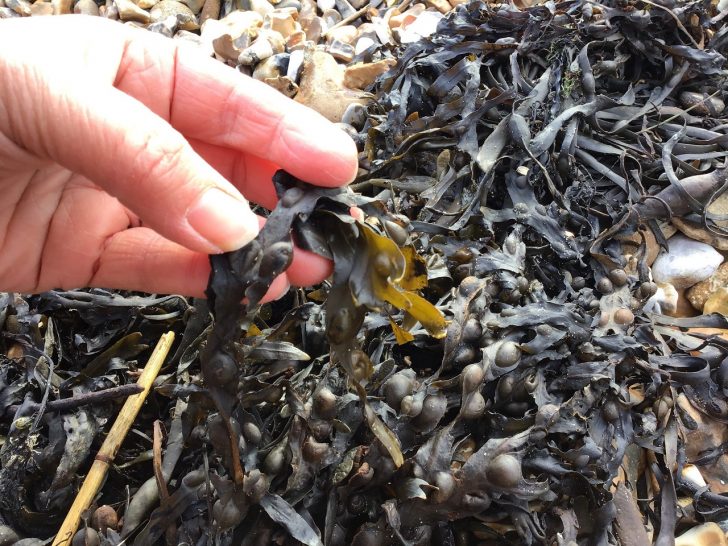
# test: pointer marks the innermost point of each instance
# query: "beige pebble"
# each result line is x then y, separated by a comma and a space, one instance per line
165, 8
699, 293
284, 85
296, 41
281, 22
41, 8
443, 6
86, 7
62, 7
211, 10
129, 11
707, 534
194, 5
717, 302
362, 75
346, 34
322, 86
21, 7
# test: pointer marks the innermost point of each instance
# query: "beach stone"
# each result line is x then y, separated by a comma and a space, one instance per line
194, 5
165, 8
707, 534
362, 75
695, 229
146, 4
284, 85
322, 86
41, 8
341, 51
129, 11
443, 6
295, 63
62, 7
699, 293
211, 10
344, 8
313, 28
423, 27
166, 27
717, 302
702, 103
21, 7
686, 263
272, 67
7, 13
346, 34
86, 7
281, 22
296, 41
323, 5
233, 24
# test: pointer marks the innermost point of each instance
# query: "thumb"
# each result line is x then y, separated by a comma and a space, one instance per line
121, 145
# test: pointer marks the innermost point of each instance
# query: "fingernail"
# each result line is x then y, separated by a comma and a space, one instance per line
226, 222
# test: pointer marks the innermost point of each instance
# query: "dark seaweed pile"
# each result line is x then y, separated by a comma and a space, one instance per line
480, 368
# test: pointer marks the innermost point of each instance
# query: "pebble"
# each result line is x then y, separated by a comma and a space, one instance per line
129, 11
323, 5
346, 34
443, 6
21, 7
166, 27
341, 51
86, 7
423, 27
295, 63
187, 20
717, 302
7, 13
211, 10
362, 75
686, 263
362, 44
272, 67
702, 103
699, 294
322, 86
707, 534
695, 229
296, 41
355, 115
281, 22
194, 5
61, 7
284, 85
344, 8
41, 8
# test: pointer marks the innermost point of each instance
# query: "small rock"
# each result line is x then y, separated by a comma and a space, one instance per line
402, 19
86, 7
290, 4
296, 41
62, 7
146, 4
8, 536
194, 5
686, 263
443, 6
346, 34
194, 41
284, 85
702, 103
355, 115
341, 51
313, 29
330, 18
266, 44
281, 22
363, 44
187, 20
7, 13
167, 27
424, 26
664, 301
362, 75
227, 48
358, 4
211, 10
323, 5
272, 67
717, 302
262, 7
456, 3
322, 86
295, 63
707, 534
21, 7
695, 229
699, 294
41, 8
344, 8
129, 11
234, 24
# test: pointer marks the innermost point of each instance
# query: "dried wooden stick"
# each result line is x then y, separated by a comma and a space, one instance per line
105, 457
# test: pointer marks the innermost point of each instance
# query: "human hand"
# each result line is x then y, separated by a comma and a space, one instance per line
123, 156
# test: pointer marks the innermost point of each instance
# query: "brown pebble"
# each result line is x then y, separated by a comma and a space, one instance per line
623, 316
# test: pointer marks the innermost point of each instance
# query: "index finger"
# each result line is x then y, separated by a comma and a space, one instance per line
215, 103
